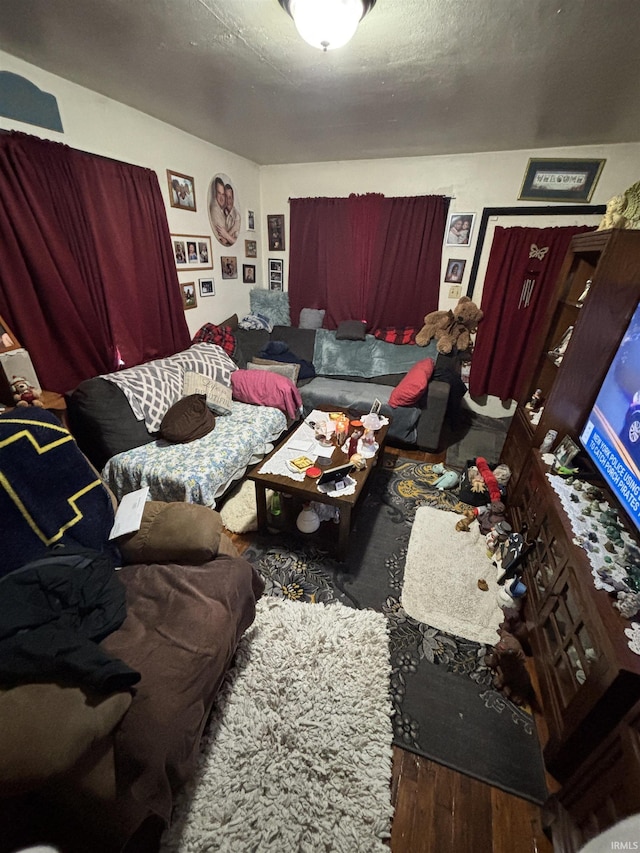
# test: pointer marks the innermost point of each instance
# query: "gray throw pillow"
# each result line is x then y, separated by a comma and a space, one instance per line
311, 318
273, 304
291, 371
351, 330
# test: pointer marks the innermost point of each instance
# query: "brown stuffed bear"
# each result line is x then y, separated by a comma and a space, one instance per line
451, 328
507, 660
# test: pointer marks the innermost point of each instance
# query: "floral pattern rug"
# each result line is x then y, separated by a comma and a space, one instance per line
445, 707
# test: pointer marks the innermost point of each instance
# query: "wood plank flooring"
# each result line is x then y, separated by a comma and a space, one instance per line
438, 810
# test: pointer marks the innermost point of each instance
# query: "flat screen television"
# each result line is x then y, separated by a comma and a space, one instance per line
611, 435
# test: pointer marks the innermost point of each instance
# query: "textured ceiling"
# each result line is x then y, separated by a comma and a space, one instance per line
420, 77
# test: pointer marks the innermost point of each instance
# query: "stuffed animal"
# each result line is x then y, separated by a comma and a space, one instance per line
451, 329
25, 394
507, 660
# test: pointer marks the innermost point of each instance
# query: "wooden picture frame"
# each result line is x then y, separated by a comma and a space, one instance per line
275, 230
229, 266
207, 287
189, 298
560, 180
8, 340
182, 191
251, 248
192, 251
249, 273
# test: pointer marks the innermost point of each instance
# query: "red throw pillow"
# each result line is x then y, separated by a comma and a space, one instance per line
414, 384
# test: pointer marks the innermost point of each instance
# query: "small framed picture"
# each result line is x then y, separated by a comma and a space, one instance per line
7, 340
249, 273
454, 271
275, 274
566, 452
192, 251
459, 229
251, 248
251, 220
229, 267
189, 299
182, 191
275, 229
207, 287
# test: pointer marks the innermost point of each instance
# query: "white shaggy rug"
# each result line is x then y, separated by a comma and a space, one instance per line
298, 754
239, 513
441, 576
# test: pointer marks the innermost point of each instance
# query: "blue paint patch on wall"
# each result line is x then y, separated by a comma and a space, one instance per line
22, 101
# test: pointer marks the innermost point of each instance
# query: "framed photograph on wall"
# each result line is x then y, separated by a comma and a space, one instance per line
560, 180
251, 220
275, 229
207, 287
182, 191
460, 228
229, 267
189, 299
275, 274
192, 251
249, 273
7, 339
251, 248
454, 271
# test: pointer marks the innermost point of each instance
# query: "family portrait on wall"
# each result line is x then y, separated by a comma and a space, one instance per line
192, 251
229, 267
207, 287
189, 299
459, 229
224, 211
275, 229
182, 191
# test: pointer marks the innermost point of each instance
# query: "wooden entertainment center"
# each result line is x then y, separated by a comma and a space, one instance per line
589, 678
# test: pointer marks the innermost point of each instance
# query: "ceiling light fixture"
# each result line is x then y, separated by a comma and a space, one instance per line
327, 24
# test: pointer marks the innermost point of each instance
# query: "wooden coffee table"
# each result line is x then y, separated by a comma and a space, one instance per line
307, 490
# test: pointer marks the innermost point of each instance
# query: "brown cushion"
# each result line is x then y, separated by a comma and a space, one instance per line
46, 728
232, 322
173, 533
187, 420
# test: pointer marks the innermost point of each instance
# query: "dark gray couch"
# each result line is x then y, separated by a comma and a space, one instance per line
419, 426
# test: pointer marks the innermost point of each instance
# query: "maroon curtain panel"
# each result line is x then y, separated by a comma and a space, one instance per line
523, 267
86, 269
366, 258
409, 257
320, 259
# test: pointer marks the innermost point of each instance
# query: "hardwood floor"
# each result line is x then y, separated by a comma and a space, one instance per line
438, 810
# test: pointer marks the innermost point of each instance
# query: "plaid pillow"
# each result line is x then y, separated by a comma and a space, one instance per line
395, 335
221, 335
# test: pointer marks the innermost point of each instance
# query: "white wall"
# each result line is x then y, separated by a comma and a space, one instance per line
474, 181
99, 125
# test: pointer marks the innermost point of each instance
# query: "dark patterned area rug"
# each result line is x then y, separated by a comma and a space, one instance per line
445, 706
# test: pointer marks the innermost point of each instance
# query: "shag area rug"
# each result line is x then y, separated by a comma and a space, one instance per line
297, 755
238, 513
441, 574
446, 708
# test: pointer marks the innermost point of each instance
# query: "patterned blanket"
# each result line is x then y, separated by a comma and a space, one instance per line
49, 494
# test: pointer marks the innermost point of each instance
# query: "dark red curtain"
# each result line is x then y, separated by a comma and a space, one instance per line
521, 276
366, 258
86, 267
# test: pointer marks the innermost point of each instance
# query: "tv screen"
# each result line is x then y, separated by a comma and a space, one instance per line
611, 435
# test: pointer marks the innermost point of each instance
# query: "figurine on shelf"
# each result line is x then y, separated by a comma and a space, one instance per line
25, 394
536, 401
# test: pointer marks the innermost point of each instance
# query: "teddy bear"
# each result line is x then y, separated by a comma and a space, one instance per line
25, 394
451, 328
